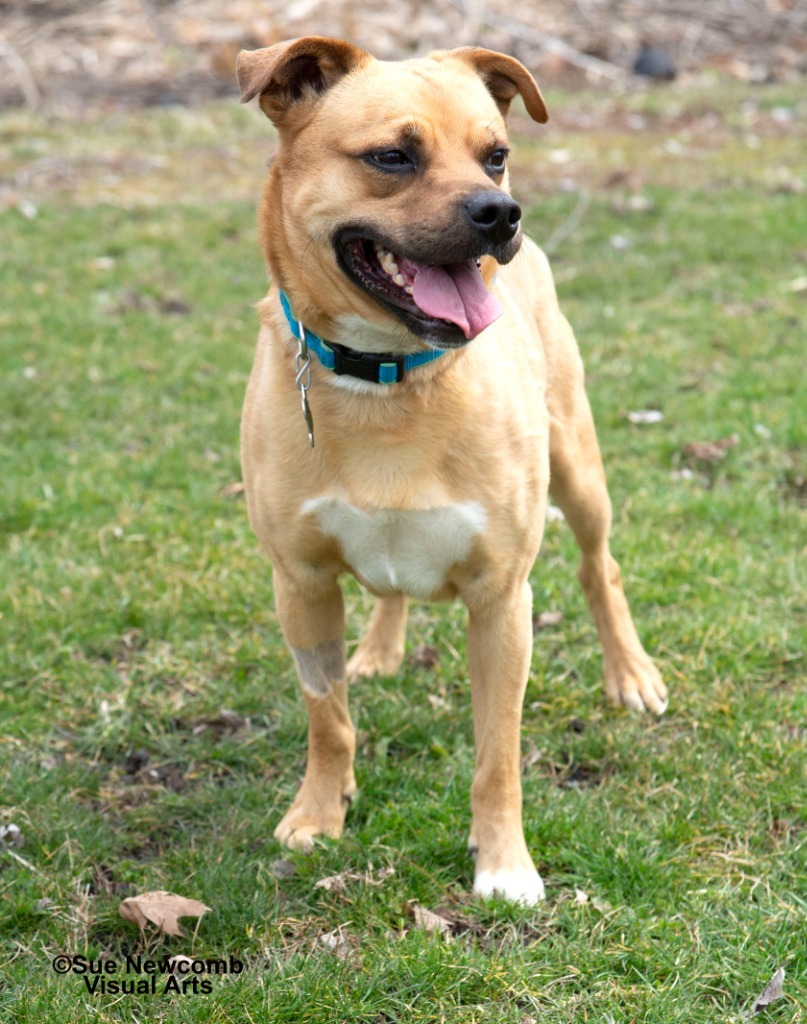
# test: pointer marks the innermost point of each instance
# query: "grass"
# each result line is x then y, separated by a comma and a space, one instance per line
136, 605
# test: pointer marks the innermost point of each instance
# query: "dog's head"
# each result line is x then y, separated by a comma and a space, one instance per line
389, 196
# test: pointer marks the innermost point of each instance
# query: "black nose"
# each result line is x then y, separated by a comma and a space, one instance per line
495, 215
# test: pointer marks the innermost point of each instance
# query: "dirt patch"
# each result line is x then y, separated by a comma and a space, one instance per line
69, 57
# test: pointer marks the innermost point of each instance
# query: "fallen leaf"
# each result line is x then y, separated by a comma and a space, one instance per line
226, 723
773, 991
428, 920
709, 451
602, 906
162, 909
646, 416
425, 657
336, 942
10, 835
546, 620
336, 883
581, 897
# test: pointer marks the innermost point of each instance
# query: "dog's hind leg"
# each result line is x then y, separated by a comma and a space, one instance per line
577, 485
313, 625
381, 648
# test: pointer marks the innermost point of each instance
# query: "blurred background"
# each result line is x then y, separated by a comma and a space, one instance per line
70, 56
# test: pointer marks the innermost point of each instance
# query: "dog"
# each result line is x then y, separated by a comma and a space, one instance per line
416, 395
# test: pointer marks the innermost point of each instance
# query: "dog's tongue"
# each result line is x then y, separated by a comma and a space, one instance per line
456, 292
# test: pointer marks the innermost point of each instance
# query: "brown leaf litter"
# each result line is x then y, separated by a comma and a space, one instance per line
162, 909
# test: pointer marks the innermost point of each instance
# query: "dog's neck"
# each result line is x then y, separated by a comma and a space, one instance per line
362, 365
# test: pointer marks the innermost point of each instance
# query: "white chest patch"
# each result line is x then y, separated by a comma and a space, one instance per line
407, 551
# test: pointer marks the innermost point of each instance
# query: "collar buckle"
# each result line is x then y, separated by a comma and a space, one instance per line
388, 369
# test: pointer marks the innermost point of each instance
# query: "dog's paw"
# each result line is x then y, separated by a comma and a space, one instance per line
298, 830
523, 885
371, 660
311, 816
636, 683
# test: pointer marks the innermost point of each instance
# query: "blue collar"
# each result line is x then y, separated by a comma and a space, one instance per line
379, 369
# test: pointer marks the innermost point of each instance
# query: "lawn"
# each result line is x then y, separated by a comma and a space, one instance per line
151, 732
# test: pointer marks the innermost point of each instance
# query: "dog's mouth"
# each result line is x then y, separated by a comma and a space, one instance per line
446, 304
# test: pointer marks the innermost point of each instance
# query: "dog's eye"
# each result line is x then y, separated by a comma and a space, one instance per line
497, 160
391, 159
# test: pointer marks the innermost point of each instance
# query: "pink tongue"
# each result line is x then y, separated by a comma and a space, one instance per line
456, 292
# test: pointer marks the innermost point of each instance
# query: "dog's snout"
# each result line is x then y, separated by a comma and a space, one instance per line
495, 215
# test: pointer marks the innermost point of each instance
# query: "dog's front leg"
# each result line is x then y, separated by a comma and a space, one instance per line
313, 626
499, 650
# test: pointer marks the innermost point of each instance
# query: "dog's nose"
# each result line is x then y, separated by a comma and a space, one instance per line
495, 215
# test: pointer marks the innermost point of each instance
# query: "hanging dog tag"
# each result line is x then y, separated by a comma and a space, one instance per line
309, 419
302, 380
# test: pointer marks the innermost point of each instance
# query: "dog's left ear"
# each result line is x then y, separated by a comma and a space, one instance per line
294, 72
504, 77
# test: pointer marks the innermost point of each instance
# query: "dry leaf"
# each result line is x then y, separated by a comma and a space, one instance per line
773, 991
226, 723
10, 835
162, 909
602, 906
336, 942
646, 416
336, 883
580, 896
425, 657
709, 451
546, 620
428, 920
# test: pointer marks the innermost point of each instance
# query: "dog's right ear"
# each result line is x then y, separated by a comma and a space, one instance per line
294, 72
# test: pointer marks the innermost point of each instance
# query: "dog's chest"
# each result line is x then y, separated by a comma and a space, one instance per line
406, 551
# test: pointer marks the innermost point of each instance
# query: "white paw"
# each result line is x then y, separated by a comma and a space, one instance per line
522, 886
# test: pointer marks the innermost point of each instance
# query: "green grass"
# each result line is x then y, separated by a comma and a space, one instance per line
135, 606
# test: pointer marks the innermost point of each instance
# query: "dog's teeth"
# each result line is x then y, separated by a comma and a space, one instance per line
409, 289
399, 279
387, 261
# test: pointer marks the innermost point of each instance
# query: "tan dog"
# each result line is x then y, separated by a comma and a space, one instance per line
388, 225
